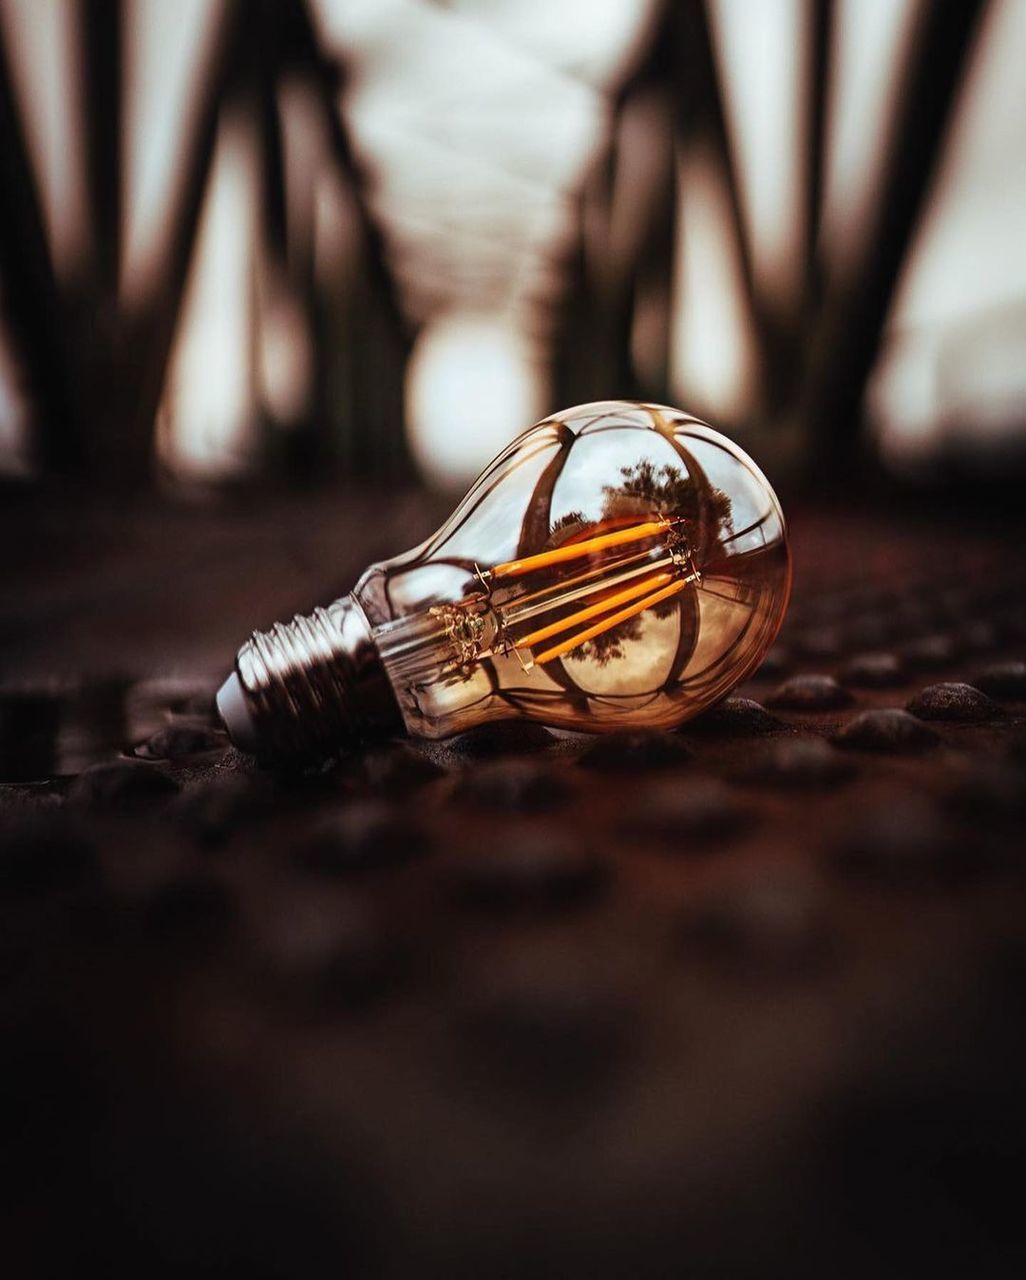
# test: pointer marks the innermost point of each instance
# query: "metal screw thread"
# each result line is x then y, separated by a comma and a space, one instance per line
315, 684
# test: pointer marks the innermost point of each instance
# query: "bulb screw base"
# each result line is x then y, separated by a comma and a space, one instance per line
310, 687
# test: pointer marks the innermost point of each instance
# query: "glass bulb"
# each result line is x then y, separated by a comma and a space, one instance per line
618, 565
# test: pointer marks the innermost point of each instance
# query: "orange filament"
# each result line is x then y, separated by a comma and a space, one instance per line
612, 620
593, 610
574, 550
574, 583
609, 524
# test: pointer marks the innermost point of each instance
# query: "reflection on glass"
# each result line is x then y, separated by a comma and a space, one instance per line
618, 562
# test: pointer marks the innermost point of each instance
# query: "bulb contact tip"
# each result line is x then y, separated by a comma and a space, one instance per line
234, 710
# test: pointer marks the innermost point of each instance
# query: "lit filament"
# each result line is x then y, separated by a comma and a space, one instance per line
644, 579
642, 588
574, 550
611, 620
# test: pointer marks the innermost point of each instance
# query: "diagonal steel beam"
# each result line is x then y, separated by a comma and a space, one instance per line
153, 332
34, 304
101, 30
817, 95
701, 112
326, 80
851, 327
702, 116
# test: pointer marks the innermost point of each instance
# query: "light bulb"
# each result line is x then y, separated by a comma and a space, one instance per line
618, 565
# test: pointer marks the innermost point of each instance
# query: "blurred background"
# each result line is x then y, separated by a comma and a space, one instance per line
285, 239
277, 277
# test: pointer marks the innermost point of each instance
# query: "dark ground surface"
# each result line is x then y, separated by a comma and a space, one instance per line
744, 1000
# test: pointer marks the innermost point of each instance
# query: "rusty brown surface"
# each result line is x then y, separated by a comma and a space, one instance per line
741, 1000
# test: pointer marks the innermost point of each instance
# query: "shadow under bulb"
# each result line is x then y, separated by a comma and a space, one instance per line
618, 565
